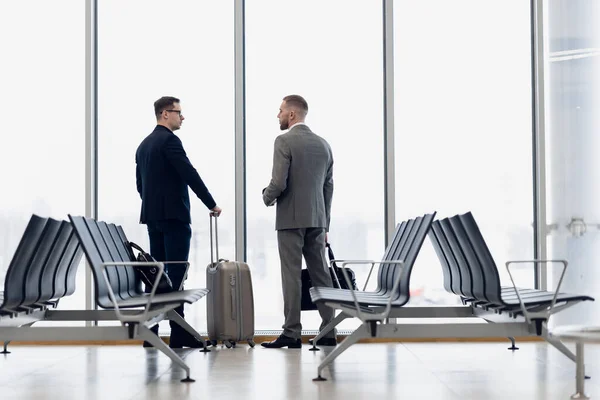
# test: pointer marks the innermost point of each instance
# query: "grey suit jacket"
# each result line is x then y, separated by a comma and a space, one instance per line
302, 180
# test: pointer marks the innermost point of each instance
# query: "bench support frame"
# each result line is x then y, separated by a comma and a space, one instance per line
20, 328
485, 324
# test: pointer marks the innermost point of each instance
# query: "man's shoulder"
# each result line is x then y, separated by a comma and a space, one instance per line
292, 137
312, 136
144, 144
296, 133
160, 136
305, 129
323, 140
157, 138
283, 137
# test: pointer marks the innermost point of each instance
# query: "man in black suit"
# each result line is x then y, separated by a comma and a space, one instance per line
163, 174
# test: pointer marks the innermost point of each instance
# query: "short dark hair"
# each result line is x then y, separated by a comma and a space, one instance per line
163, 104
296, 101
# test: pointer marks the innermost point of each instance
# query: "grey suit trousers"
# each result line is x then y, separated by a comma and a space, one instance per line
293, 244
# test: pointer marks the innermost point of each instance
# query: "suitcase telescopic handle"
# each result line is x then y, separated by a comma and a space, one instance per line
212, 259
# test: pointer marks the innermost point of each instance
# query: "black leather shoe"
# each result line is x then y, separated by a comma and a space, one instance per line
177, 342
324, 342
283, 341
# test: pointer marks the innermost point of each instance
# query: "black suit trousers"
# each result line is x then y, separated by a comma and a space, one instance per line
170, 241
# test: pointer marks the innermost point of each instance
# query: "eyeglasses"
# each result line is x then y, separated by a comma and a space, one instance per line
175, 111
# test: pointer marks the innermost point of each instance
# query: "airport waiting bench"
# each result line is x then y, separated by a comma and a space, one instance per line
503, 311
117, 288
42, 272
470, 272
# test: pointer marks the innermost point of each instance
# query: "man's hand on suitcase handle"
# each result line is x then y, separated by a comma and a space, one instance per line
216, 211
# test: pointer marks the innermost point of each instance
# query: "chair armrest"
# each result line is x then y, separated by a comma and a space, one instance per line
111, 293
357, 262
540, 314
384, 314
177, 262
187, 268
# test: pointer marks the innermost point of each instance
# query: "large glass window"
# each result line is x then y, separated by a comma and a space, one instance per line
573, 145
463, 127
149, 49
331, 54
42, 77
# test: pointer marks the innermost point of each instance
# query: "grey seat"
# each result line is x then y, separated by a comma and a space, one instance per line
36, 233
100, 247
118, 288
458, 279
468, 272
462, 252
59, 276
390, 296
44, 269
47, 250
405, 245
58, 251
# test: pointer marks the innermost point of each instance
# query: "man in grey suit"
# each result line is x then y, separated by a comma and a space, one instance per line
302, 187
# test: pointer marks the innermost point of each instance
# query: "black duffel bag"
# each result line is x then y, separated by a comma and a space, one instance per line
335, 271
148, 273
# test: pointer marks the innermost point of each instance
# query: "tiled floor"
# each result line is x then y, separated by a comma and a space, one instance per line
366, 371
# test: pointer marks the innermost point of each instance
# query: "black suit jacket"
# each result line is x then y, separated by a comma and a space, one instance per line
163, 174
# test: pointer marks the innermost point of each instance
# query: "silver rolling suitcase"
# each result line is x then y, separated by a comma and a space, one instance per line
230, 302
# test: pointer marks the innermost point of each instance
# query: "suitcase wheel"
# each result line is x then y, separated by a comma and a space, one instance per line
228, 343
251, 343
